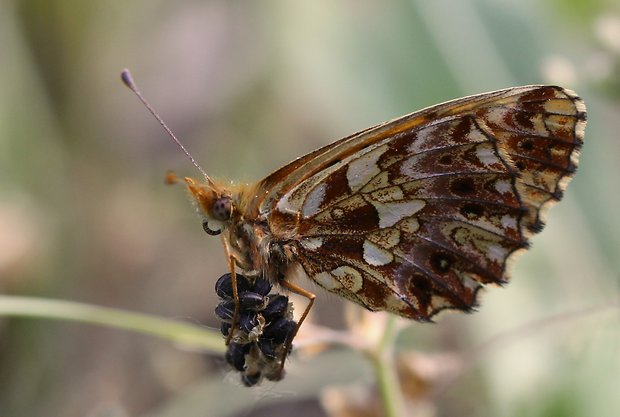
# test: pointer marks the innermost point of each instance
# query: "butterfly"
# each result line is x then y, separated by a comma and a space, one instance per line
412, 216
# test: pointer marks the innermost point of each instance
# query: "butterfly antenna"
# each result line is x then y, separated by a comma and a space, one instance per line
128, 81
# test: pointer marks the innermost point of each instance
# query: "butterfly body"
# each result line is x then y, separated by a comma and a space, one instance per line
414, 215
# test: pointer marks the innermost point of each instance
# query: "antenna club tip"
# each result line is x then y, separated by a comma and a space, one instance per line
127, 79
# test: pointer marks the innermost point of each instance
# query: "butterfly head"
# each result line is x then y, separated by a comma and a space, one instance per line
215, 206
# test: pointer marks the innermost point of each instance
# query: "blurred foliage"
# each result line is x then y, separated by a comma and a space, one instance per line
84, 214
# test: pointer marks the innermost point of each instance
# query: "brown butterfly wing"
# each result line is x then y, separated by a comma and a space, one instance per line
413, 216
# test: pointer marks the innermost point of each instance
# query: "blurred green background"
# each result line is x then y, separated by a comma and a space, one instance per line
248, 86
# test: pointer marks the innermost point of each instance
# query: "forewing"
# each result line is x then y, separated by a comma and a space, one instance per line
415, 215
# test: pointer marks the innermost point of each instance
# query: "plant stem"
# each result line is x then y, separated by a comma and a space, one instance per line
387, 378
190, 335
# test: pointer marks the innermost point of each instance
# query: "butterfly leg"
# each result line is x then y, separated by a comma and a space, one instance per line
304, 293
233, 274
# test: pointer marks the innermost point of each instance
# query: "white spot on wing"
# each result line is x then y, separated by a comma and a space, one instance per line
503, 186
509, 222
327, 281
313, 201
469, 282
284, 205
496, 115
409, 225
376, 255
409, 168
475, 135
392, 213
422, 140
311, 243
350, 278
487, 155
497, 253
364, 168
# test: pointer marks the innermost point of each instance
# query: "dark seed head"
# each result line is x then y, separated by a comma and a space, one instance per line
235, 355
223, 286
225, 310
262, 328
225, 328
276, 308
248, 321
267, 347
251, 300
261, 286
280, 330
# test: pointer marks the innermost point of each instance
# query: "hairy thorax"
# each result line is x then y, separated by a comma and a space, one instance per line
256, 247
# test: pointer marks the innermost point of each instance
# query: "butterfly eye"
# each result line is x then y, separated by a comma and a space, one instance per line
222, 208
205, 226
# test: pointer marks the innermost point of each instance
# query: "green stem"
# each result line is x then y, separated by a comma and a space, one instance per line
387, 378
187, 334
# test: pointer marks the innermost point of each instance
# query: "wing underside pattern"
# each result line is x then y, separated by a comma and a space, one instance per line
414, 216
